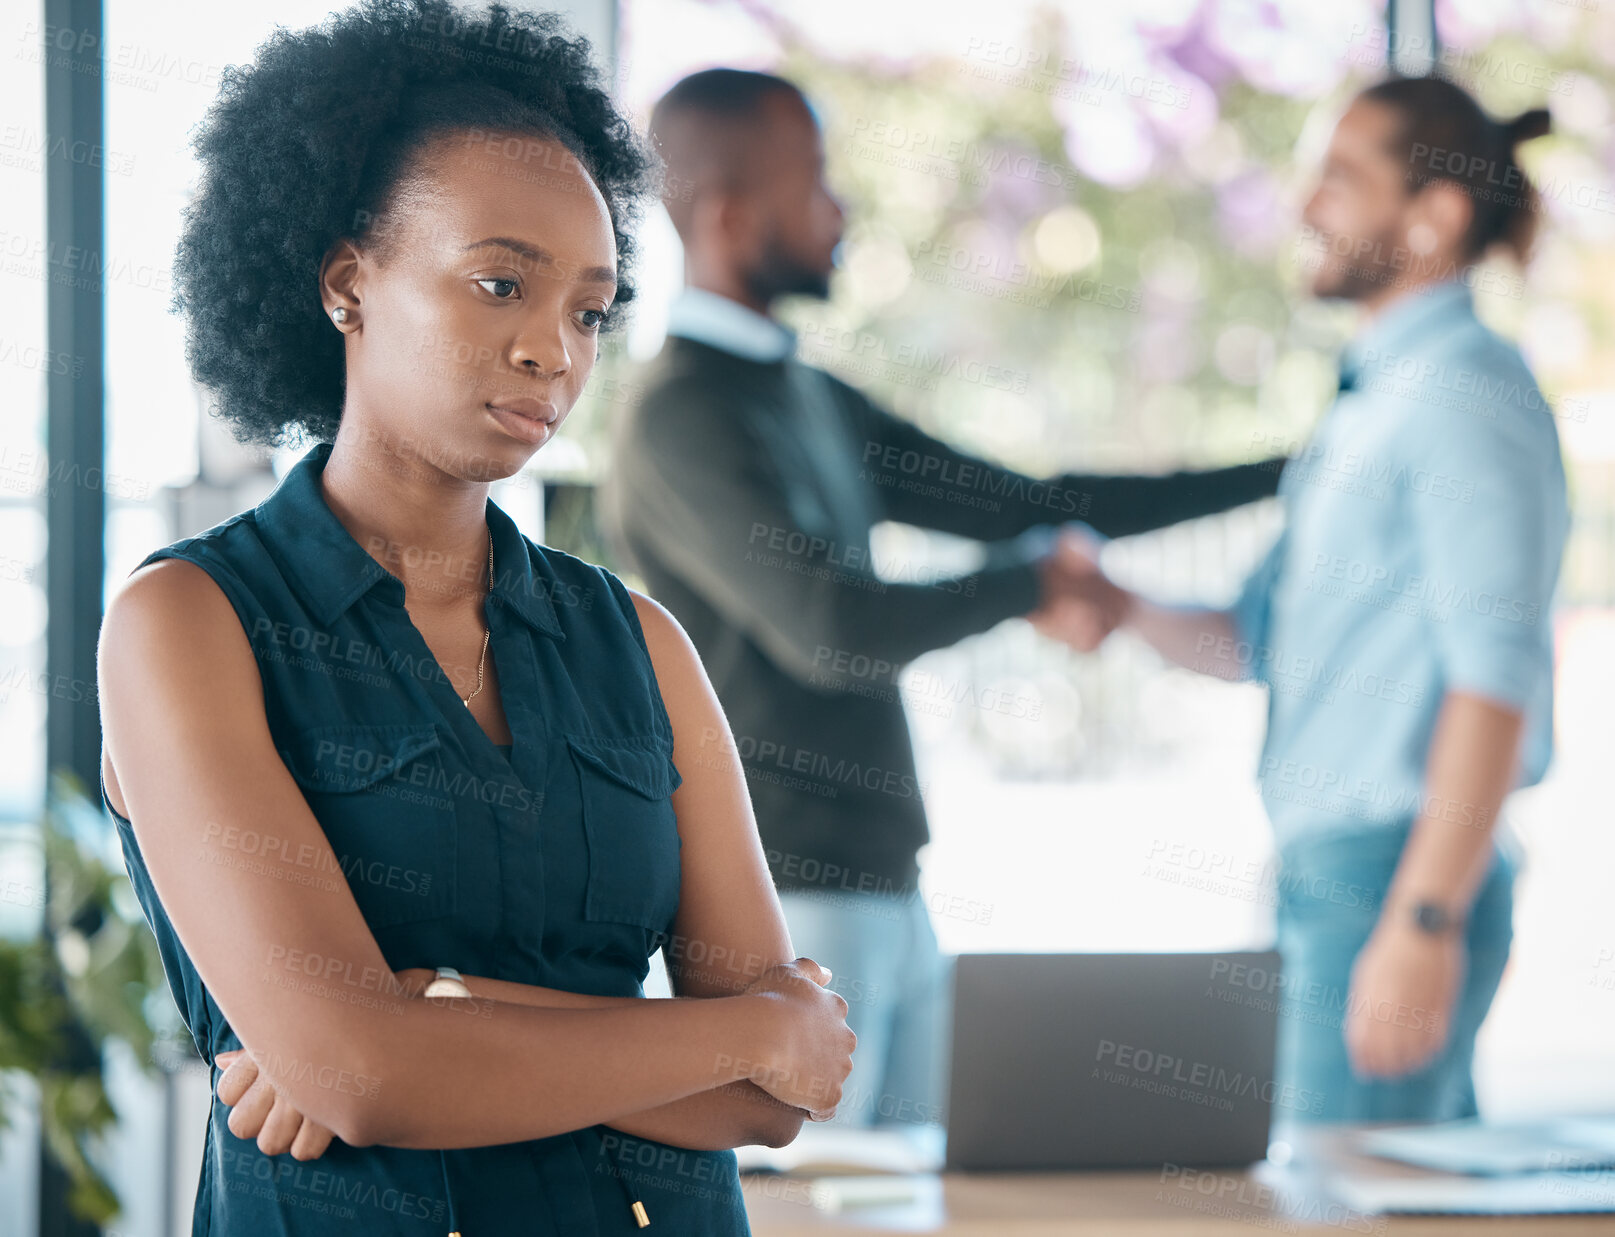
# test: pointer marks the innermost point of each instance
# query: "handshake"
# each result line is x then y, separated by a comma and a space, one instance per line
1079, 605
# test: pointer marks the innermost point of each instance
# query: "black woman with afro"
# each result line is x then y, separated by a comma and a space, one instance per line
411, 800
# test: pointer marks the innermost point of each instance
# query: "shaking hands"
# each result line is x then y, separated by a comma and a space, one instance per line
1079, 606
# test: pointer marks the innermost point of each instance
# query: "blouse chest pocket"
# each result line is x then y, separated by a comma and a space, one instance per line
379, 793
632, 830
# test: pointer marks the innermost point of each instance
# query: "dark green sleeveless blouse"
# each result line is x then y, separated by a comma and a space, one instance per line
557, 864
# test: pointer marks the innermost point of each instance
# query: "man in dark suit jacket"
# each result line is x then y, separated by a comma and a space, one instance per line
744, 489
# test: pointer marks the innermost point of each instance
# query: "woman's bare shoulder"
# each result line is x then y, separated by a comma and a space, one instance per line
164, 587
172, 608
673, 655
170, 639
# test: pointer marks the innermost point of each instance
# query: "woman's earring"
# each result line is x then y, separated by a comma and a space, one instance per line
339, 315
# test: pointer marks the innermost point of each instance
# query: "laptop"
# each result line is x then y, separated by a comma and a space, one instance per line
1072, 1061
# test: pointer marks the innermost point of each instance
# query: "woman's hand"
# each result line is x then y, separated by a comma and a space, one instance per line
807, 1045
258, 1111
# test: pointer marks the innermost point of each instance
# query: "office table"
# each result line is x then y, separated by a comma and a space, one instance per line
1169, 1201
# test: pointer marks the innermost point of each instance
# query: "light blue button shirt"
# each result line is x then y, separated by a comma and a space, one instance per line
1424, 524
711, 319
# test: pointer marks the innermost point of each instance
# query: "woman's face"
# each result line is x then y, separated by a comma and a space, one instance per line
474, 329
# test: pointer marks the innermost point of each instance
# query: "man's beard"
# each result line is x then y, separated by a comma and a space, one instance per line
780, 273
1382, 265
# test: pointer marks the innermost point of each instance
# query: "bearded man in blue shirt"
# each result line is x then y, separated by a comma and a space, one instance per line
1401, 621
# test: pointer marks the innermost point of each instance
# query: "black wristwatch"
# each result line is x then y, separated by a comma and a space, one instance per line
1433, 919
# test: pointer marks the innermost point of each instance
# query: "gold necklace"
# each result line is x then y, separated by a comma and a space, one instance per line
486, 630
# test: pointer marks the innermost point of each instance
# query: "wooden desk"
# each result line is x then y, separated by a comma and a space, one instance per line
1169, 1203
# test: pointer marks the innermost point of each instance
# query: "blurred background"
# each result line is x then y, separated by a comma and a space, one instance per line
1072, 243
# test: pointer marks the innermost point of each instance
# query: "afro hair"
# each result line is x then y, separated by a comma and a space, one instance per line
308, 144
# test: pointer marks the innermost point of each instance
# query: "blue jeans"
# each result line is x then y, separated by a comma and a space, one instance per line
1330, 892
883, 958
